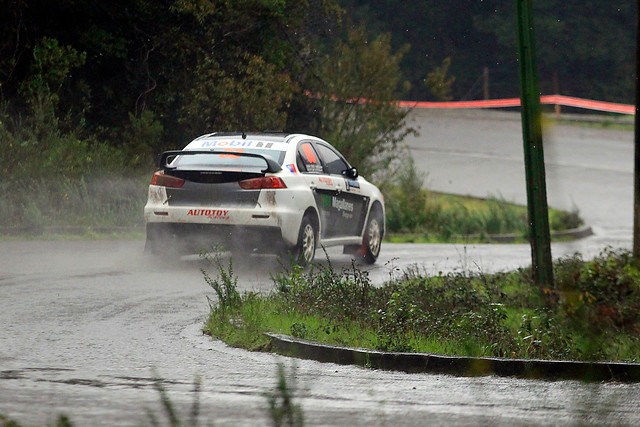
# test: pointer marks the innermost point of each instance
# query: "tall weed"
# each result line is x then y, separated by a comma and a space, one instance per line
282, 407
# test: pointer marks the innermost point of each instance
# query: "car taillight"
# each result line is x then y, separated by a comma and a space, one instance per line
161, 179
266, 182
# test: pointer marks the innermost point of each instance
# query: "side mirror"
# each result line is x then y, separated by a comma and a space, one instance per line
351, 173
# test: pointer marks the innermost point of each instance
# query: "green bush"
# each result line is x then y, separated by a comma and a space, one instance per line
603, 294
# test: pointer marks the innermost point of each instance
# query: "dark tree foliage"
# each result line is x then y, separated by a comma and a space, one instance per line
134, 77
146, 59
141, 76
586, 48
435, 30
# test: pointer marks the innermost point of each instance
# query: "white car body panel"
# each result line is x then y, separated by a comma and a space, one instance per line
340, 206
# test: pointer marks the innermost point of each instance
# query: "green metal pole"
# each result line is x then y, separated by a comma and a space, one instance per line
636, 175
533, 153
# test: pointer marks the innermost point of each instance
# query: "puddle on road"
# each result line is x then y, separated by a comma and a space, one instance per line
105, 382
77, 381
11, 375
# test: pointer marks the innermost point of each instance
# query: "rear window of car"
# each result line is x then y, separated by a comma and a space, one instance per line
227, 159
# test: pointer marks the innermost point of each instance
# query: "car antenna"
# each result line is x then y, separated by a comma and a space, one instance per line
244, 135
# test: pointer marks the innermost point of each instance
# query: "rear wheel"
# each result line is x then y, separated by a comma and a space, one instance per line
154, 241
161, 244
305, 250
372, 238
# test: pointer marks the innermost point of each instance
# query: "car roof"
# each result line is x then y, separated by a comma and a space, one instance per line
274, 136
267, 136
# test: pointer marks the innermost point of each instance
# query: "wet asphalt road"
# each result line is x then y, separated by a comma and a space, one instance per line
86, 325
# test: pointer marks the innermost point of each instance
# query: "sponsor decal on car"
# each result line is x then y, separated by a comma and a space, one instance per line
314, 168
210, 213
341, 204
309, 154
325, 180
292, 169
239, 144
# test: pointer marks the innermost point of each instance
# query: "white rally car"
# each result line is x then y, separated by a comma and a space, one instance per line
269, 192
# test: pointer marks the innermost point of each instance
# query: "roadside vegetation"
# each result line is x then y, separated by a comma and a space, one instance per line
415, 214
592, 312
42, 207
446, 218
78, 140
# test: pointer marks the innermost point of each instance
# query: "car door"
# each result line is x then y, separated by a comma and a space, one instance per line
323, 187
348, 204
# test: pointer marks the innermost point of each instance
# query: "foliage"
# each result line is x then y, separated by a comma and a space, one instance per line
439, 83
130, 79
413, 210
183, 67
358, 83
250, 99
325, 292
142, 135
585, 48
591, 314
602, 293
61, 421
405, 199
225, 285
104, 200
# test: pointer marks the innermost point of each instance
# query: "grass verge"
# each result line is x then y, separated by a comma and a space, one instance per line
106, 201
592, 312
418, 215
449, 218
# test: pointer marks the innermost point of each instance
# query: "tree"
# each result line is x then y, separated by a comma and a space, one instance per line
585, 43
357, 86
251, 99
439, 83
145, 62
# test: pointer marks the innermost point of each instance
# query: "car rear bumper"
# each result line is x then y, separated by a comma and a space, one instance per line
192, 238
274, 210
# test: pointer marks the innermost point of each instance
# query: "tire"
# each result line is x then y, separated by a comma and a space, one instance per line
305, 250
161, 245
153, 243
372, 240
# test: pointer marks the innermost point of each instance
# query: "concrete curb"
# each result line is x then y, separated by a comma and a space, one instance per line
452, 365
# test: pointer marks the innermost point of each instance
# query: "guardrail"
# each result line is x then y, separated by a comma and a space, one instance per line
566, 101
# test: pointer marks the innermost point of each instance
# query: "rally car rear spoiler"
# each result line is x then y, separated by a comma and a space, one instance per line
272, 165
